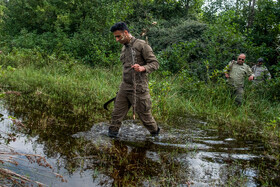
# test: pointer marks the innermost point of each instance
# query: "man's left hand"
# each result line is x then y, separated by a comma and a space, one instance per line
251, 78
138, 68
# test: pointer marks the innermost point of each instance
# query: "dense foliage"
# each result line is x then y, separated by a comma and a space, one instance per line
60, 58
195, 39
186, 34
74, 28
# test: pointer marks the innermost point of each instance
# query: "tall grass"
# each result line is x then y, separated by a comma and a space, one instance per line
81, 90
257, 117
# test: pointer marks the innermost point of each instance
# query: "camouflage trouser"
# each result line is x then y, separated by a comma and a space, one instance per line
123, 103
237, 94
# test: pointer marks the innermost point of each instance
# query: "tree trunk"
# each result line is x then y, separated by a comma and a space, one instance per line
237, 8
251, 15
187, 5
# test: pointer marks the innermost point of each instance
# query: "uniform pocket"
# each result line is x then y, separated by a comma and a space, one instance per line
144, 104
139, 59
128, 74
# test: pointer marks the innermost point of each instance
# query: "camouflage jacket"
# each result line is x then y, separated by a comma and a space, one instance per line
137, 52
261, 73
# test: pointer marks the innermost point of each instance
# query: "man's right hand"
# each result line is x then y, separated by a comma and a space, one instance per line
138, 68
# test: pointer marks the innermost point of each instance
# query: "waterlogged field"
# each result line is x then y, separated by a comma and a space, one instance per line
55, 77
37, 148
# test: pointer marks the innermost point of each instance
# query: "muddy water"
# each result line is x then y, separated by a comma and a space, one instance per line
185, 155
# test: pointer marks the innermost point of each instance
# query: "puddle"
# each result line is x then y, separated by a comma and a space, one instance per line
183, 156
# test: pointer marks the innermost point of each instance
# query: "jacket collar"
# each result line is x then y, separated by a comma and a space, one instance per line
133, 39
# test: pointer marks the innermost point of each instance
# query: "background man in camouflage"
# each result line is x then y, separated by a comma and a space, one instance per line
260, 71
138, 61
235, 72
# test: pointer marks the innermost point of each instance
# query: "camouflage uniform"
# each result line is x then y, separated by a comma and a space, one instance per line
237, 73
144, 56
261, 73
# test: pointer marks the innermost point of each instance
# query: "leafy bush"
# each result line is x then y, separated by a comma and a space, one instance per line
79, 29
164, 35
206, 53
178, 56
269, 90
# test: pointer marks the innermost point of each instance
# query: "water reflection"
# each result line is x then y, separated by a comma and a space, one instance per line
130, 165
82, 153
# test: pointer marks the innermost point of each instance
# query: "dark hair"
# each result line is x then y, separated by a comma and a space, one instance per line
121, 26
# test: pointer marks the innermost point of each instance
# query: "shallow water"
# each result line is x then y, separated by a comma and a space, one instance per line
185, 155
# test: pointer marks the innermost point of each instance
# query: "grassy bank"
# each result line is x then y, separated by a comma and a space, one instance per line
74, 89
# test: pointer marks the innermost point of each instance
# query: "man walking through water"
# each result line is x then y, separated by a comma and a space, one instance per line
235, 72
138, 61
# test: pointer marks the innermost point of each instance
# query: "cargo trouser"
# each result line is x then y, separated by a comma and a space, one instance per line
237, 94
123, 103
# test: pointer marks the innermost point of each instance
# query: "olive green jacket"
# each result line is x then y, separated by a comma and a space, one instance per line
137, 52
237, 73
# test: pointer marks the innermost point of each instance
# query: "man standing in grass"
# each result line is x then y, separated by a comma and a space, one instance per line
235, 72
260, 71
138, 61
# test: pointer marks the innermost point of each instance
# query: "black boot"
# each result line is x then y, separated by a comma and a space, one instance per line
112, 132
154, 134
